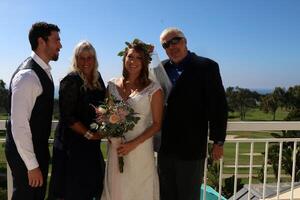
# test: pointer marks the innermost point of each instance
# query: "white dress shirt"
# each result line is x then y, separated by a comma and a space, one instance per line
25, 88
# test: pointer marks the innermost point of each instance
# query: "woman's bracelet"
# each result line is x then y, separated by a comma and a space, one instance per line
88, 135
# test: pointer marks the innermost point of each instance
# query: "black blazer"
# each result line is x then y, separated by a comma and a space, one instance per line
196, 102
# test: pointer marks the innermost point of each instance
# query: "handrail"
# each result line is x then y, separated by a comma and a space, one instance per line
235, 125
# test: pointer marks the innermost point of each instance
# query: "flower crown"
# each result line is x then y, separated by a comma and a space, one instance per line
146, 48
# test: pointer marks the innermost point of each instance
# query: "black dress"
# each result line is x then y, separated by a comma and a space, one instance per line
78, 165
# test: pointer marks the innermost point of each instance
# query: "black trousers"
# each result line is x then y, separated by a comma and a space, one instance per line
21, 189
57, 186
85, 170
179, 179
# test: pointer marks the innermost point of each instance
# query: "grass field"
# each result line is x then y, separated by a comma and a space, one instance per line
3, 116
258, 115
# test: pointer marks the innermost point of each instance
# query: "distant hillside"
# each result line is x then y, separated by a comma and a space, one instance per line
262, 90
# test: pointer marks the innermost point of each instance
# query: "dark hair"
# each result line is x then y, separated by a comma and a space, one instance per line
145, 51
40, 29
144, 74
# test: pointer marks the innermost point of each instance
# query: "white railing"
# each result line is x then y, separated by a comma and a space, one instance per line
233, 126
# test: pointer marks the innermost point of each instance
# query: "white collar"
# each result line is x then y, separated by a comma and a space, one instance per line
40, 62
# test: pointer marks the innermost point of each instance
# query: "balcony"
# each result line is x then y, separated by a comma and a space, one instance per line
255, 150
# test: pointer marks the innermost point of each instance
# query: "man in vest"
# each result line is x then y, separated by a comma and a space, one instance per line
31, 106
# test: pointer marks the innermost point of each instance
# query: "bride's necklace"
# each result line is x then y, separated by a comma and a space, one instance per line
129, 89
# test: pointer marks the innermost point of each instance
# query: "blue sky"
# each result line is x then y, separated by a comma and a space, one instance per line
255, 42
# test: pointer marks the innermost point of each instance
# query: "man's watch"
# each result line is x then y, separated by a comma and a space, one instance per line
88, 135
219, 143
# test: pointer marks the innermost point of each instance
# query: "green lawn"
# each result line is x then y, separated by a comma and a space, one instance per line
2, 156
258, 115
3, 116
244, 149
251, 134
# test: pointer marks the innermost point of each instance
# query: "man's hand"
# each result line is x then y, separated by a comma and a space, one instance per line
35, 177
217, 151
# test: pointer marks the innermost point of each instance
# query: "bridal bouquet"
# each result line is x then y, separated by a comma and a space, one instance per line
113, 119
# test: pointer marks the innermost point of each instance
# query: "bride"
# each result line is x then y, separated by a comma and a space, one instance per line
139, 179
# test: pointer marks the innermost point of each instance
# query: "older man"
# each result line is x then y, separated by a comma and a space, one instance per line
195, 104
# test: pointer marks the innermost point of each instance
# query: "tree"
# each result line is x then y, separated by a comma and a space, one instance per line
3, 97
269, 105
294, 115
279, 94
241, 100
228, 188
213, 170
214, 174
271, 102
293, 97
287, 156
287, 150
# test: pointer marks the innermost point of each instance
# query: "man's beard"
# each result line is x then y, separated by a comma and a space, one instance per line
55, 57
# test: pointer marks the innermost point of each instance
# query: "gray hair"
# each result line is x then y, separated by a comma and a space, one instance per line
171, 30
79, 48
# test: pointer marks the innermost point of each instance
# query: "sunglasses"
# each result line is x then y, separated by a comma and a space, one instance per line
174, 40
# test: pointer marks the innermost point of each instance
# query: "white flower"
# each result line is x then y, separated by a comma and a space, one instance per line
101, 110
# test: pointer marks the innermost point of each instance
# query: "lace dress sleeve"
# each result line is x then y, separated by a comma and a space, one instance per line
68, 99
153, 88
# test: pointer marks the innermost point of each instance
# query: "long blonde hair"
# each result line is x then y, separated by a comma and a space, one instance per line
79, 48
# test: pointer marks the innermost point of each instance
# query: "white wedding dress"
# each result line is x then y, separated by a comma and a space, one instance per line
139, 180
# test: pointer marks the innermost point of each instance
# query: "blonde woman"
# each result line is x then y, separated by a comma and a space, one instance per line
78, 165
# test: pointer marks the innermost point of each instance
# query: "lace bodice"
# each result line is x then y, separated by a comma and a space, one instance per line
140, 102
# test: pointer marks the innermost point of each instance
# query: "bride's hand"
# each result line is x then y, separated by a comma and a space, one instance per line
125, 148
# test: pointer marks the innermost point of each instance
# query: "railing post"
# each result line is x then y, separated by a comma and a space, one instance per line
220, 179
236, 168
265, 169
294, 167
204, 179
279, 170
9, 182
205, 173
250, 170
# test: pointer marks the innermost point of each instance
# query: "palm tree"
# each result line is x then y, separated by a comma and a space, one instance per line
269, 104
241, 100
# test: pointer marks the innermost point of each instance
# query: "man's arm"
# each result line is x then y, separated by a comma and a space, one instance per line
25, 89
218, 110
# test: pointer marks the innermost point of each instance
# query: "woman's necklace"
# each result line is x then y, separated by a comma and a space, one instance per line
130, 89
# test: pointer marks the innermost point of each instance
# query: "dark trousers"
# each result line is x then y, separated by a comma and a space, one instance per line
21, 189
179, 179
85, 170
57, 187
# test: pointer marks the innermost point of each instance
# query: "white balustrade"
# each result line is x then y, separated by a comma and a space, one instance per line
233, 126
